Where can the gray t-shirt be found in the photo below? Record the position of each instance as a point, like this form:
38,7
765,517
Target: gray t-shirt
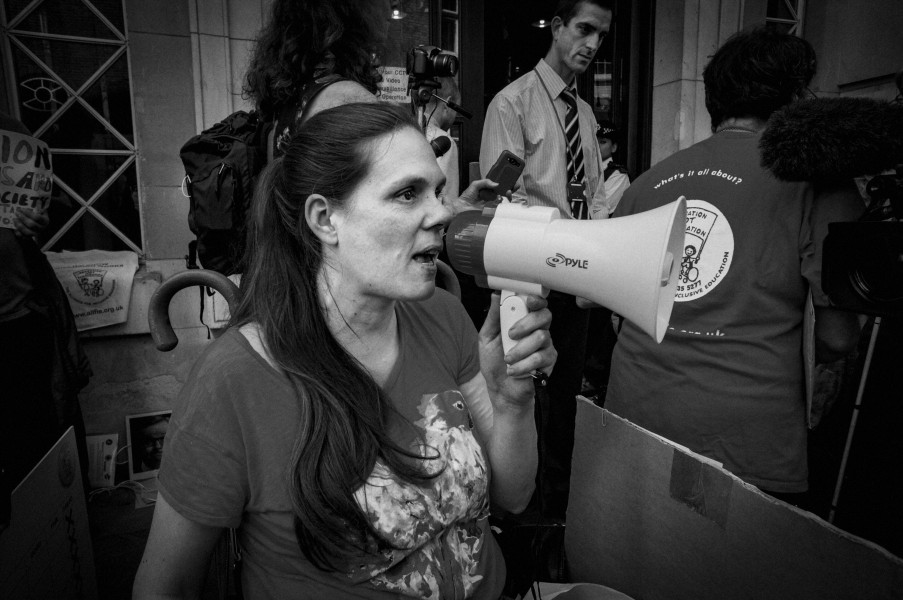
727,380
231,438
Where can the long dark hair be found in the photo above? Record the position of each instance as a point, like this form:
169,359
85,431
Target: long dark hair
301,34
343,410
756,72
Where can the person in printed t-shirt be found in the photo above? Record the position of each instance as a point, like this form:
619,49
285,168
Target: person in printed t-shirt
351,423
541,118
727,381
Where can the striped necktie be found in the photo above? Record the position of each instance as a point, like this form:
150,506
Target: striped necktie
576,172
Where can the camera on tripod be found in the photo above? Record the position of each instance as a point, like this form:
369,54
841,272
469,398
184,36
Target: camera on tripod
425,65
862,263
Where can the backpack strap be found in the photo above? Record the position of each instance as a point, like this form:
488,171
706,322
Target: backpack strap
292,115
312,89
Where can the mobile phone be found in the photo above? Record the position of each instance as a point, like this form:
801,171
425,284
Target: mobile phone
505,171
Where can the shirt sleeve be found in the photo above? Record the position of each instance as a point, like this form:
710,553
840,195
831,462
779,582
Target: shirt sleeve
449,166
615,186
599,204
202,475
502,131
626,204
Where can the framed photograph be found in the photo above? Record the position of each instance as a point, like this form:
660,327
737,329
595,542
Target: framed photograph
146,433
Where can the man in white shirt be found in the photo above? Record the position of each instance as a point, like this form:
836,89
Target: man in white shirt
440,119
540,118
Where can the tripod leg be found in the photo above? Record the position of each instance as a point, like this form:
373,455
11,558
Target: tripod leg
846,450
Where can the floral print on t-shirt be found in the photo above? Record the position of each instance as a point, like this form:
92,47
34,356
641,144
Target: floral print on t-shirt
440,527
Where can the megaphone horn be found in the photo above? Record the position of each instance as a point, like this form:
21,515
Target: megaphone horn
629,265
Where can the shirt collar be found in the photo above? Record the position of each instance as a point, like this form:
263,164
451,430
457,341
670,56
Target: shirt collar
550,78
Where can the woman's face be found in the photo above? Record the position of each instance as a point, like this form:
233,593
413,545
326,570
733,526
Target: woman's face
389,232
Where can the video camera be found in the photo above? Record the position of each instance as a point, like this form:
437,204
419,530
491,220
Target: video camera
425,64
862,264
833,141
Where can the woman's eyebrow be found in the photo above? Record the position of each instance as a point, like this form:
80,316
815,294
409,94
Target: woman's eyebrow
413,181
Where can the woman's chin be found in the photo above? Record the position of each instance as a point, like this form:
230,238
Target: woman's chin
426,291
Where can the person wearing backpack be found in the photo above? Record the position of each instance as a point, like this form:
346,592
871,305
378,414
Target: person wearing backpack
330,62
310,55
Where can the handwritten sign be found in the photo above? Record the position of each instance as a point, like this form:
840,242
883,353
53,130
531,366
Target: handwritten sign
26,175
394,86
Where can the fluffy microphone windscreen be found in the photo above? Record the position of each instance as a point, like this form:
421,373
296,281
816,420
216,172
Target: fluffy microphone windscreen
833,139
441,145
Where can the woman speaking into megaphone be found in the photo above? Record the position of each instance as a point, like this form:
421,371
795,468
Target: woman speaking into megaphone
351,423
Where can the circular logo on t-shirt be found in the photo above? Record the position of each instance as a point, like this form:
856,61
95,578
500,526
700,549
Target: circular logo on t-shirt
708,250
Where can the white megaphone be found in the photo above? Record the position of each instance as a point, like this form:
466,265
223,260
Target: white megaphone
629,264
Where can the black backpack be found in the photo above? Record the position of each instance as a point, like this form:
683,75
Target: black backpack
221,168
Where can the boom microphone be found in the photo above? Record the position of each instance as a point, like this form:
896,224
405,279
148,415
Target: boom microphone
833,139
441,145
837,139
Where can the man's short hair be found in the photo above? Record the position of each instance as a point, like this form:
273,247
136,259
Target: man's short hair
756,72
448,89
566,9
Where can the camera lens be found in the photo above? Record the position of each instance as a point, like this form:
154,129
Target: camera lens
445,65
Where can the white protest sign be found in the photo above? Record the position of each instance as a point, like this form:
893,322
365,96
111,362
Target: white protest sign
26,175
394,86
98,284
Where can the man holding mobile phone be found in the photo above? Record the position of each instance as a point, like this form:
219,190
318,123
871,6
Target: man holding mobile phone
540,118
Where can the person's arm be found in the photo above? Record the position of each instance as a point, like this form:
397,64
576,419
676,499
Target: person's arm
500,399
836,333
176,558
597,202
615,186
448,162
470,198
502,131
30,222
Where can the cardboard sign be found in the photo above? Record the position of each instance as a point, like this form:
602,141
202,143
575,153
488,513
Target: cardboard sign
651,519
98,284
394,86
46,552
26,175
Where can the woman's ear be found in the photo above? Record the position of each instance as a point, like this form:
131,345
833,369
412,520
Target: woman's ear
320,218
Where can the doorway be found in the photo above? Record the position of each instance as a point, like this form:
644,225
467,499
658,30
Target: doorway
618,84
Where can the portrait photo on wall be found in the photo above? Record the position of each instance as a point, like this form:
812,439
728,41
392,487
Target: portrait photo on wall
146,433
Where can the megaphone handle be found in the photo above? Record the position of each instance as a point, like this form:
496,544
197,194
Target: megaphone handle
511,309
